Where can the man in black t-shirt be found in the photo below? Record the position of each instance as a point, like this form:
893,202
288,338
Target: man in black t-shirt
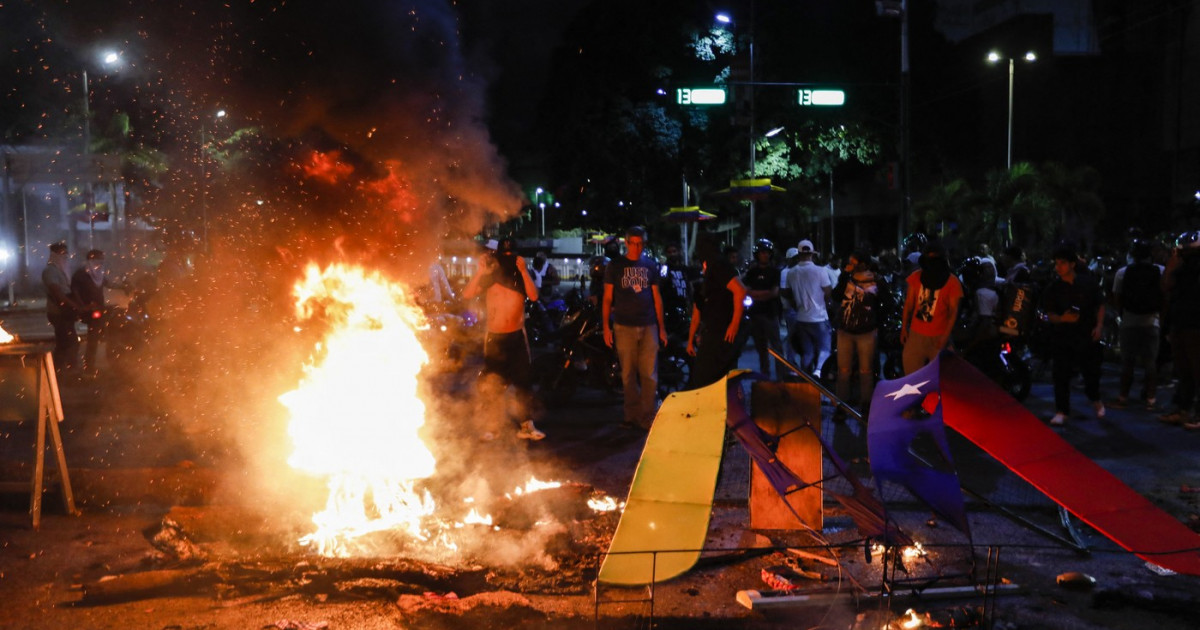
1074,306
716,317
633,325
762,285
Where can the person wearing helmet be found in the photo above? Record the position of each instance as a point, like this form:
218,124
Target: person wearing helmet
1137,293
762,285
1181,282
503,279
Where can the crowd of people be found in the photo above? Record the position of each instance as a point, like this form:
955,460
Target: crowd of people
819,310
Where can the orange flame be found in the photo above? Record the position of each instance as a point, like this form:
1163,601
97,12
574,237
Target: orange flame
356,416
5,337
327,166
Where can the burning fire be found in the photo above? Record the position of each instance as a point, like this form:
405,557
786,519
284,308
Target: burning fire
4,336
356,420
356,416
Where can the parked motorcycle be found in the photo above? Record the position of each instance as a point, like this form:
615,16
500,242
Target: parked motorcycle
582,359
1002,360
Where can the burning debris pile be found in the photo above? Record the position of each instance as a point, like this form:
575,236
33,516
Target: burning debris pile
214,551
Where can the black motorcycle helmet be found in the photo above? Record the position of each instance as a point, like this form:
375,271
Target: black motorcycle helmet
1188,241
972,270
764,245
915,242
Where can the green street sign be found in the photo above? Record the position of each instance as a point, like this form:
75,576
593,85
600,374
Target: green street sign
700,96
822,98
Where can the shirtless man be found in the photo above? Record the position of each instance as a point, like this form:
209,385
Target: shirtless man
505,283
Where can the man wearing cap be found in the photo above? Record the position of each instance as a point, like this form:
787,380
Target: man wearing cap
810,288
790,260
62,308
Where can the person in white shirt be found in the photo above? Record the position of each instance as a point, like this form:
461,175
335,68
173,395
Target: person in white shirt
810,287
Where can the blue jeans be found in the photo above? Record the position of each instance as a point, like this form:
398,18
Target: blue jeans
637,351
813,340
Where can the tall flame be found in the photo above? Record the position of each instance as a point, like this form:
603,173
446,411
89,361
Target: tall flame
356,416
4,336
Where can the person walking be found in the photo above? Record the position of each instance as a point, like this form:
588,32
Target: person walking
62,310
1137,294
503,279
810,288
632,313
1074,306
930,308
716,316
762,285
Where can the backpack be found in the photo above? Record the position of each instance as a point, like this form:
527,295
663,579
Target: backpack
1017,308
1140,291
859,314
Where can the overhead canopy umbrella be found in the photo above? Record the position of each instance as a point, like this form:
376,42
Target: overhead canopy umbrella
750,189
688,214
683,216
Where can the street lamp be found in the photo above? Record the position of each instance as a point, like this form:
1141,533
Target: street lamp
109,58
995,57
724,18
537,196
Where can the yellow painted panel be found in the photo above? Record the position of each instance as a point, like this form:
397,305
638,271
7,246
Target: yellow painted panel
670,499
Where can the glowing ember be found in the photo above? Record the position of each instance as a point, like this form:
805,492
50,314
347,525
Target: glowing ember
533,485
910,620
602,504
4,336
356,416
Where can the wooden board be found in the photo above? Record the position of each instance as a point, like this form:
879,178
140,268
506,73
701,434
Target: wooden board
782,409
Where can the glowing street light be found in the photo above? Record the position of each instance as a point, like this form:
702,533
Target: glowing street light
996,57
108,58
537,196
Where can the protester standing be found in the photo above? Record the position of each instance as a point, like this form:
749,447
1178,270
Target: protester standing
504,280
1137,293
716,317
1181,282
762,285
1074,306
632,312
930,308
858,301
62,309
810,288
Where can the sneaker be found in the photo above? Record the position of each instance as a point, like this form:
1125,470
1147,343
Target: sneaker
1192,426
1120,403
529,432
1177,416
1058,420
1151,404
1099,407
